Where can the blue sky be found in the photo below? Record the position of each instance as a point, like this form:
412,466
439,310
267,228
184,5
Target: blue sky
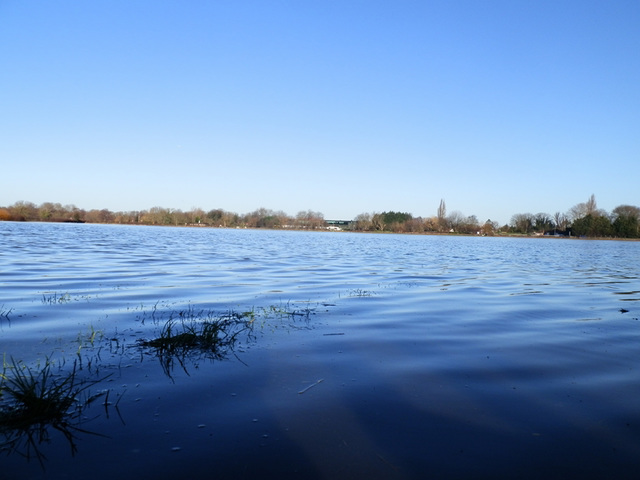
342,107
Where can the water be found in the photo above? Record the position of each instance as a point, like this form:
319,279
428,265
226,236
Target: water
371,356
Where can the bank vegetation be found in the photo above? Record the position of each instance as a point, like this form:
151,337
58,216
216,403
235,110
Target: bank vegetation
582,220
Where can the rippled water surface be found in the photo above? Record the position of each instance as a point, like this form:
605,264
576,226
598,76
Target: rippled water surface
355,355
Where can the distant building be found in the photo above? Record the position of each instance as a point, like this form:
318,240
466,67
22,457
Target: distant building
337,224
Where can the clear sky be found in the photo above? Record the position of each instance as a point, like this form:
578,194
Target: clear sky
338,106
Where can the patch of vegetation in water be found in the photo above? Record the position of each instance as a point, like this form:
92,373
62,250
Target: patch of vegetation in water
35,400
54,298
214,335
191,335
359,292
49,398
5,313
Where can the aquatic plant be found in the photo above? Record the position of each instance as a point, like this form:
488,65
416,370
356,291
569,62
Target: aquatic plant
34,400
54,298
358,292
5,313
283,311
192,335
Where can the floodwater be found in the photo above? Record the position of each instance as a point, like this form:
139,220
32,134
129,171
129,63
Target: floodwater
355,355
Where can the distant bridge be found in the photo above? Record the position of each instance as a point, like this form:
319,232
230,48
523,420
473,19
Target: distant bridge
338,223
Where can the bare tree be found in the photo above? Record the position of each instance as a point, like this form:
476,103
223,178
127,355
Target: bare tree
522,222
23,211
363,222
581,210
310,219
626,211
561,221
455,220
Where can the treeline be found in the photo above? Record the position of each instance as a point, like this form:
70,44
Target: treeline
584,219
262,218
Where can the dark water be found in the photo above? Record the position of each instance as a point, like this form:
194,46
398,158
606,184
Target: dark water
369,356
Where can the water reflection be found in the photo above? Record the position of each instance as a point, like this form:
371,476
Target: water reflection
442,354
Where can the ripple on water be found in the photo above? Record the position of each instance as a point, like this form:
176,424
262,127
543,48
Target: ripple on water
438,356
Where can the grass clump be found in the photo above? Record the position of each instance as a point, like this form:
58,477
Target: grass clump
195,335
32,400
190,335
35,396
54,298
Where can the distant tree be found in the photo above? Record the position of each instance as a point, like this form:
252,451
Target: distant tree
132,217
626,221
592,226
391,221
178,217
470,225
490,228
23,211
414,225
196,215
390,218
105,216
590,207
561,221
74,214
542,222
455,220
99,216
363,222
522,223
217,217
431,224
588,220
49,211
310,219
256,219
377,222
442,215
266,218
157,216
222,218
627,210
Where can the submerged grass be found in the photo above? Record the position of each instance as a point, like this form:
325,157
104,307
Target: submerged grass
190,335
193,335
32,400
54,298
5,313
39,402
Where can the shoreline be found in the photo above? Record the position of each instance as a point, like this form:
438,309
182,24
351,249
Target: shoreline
330,230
